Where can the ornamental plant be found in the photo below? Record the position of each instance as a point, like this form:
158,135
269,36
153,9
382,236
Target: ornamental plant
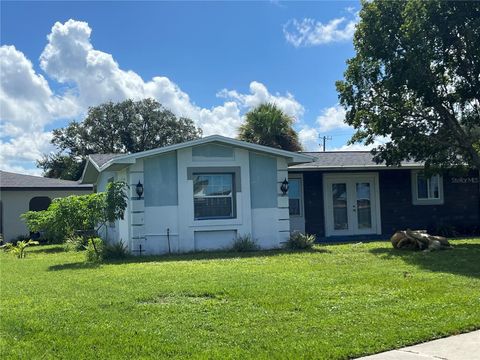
79,214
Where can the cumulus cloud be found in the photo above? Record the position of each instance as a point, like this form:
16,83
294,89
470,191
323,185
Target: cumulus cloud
309,137
19,153
259,94
26,100
332,118
310,32
91,77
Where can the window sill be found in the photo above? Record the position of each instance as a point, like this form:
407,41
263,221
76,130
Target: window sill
216,222
428,202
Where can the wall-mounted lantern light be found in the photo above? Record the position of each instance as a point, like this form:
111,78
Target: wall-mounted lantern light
139,189
284,187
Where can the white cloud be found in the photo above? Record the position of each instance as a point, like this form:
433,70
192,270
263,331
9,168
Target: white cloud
259,94
309,137
332,118
310,32
26,100
91,77
19,153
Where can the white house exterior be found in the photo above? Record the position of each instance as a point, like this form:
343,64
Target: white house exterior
199,195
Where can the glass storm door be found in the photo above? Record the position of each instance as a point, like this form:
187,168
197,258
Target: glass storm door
351,203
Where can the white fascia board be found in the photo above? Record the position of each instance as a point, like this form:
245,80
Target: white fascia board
355,167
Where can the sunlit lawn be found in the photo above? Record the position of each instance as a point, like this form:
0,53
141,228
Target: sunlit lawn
337,301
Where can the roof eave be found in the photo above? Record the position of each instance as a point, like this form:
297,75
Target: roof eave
369,167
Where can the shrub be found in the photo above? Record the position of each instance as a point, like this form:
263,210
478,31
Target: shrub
115,251
97,250
94,250
300,240
78,213
76,243
244,243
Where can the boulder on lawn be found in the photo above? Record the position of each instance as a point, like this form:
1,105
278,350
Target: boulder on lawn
418,240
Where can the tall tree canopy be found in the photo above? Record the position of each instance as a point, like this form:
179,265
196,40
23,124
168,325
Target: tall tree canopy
125,127
268,125
415,79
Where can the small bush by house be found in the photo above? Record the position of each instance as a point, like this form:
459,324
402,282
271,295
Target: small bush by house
244,243
300,240
97,251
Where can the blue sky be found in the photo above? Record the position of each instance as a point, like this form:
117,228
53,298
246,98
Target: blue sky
209,61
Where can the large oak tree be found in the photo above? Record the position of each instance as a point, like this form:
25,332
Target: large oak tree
124,127
415,79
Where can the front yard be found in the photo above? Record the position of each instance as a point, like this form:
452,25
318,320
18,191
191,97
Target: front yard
335,301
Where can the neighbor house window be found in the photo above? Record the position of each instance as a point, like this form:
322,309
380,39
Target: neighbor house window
213,196
427,190
294,197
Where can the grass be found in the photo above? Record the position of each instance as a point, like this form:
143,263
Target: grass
336,301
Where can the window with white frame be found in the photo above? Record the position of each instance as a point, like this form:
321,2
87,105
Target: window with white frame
427,190
213,196
294,197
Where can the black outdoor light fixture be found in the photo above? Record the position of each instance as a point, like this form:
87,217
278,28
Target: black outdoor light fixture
139,189
284,187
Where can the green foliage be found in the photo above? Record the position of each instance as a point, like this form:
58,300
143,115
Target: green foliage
116,251
268,125
115,201
78,214
95,250
61,166
124,127
98,250
414,79
67,215
244,243
300,241
19,248
76,243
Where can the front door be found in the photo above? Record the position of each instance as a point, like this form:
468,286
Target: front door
352,204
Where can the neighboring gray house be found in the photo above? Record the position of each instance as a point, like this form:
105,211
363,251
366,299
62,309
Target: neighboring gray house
20,193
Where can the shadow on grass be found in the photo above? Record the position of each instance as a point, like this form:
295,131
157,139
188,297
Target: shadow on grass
196,256
462,259
46,250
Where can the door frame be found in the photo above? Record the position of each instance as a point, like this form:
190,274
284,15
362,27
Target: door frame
298,218
328,212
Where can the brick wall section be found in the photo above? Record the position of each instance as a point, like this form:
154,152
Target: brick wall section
461,207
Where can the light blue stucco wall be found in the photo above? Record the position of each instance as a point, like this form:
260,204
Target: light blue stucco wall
263,181
102,180
212,151
160,180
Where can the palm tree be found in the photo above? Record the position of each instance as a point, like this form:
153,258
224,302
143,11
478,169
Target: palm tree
268,125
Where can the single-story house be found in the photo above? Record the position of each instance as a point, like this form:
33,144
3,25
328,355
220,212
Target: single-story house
199,195
20,193
202,194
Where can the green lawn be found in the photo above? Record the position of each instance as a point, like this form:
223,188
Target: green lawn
337,301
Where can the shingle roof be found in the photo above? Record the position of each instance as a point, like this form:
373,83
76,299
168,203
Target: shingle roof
101,159
10,180
345,159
